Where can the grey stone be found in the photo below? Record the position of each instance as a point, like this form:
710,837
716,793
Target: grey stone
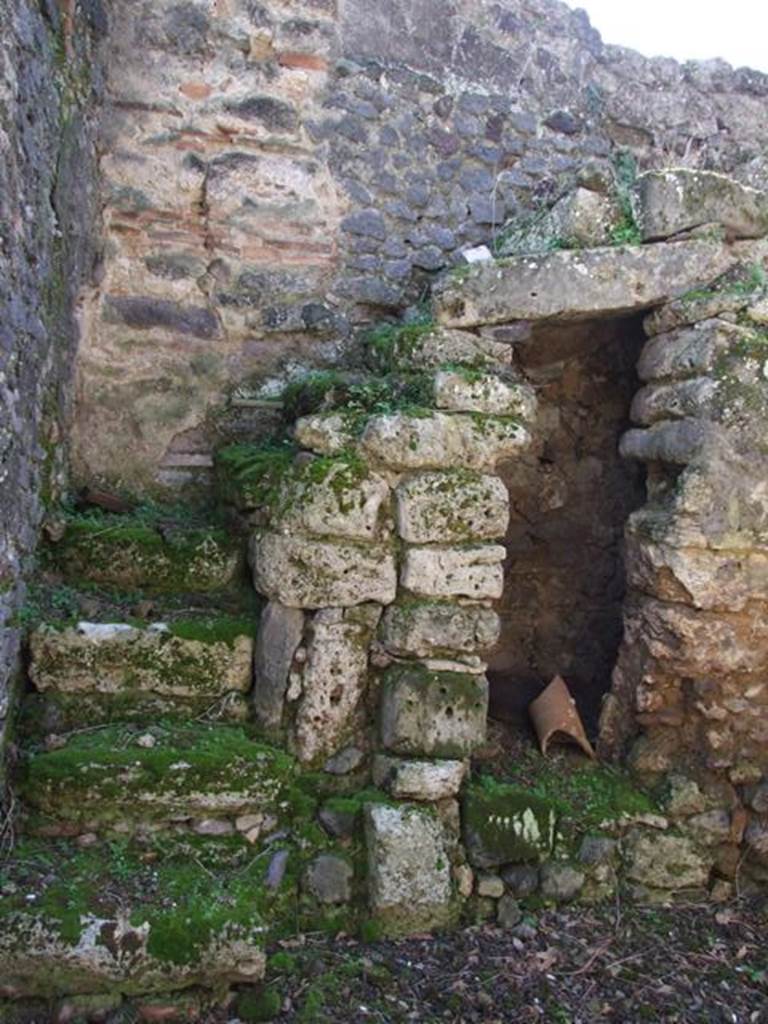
564,121
572,284
409,881
521,879
344,762
280,633
329,879
276,869
370,290
145,313
597,850
430,257
432,714
276,115
508,912
338,823
561,882
365,222
671,201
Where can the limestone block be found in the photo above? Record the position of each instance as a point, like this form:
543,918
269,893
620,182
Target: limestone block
704,579
678,400
689,351
141,556
38,962
304,573
280,633
671,201
325,433
418,780
663,861
471,571
442,441
582,218
455,505
573,284
346,501
442,345
117,658
424,628
333,680
409,881
506,825
471,391
694,308
432,714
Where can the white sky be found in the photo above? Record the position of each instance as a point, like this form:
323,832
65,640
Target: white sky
736,30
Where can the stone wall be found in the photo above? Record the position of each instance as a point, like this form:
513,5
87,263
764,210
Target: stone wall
47,78
275,172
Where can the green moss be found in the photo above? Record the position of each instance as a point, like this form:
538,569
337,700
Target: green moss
389,347
505,823
214,630
258,1006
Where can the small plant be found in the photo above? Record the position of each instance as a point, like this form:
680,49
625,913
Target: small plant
626,231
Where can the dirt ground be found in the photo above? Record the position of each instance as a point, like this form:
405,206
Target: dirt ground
622,964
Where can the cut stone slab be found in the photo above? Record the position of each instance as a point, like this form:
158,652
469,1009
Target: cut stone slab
304,573
119,659
141,557
659,860
709,580
409,880
190,773
280,633
453,505
432,714
435,348
442,441
418,780
577,284
329,879
676,442
346,501
470,391
671,201
473,571
425,629
334,680
506,825
111,955
689,351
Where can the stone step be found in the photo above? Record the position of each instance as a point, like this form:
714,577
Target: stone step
121,920
113,551
95,673
121,779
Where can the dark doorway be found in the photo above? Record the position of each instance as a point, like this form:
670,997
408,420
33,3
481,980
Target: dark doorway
570,497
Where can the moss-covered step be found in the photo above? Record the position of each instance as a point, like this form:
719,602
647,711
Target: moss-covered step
505,824
100,672
131,555
122,779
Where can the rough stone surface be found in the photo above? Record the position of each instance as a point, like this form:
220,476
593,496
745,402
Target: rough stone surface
443,345
418,780
305,573
451,506
463,391
490,885
567,285
672,201
334,679
409,881
119,659
38,962
663,861
521,879
346,503
324,433
561,882
430,628
442,441
280,633
432,714
329,879
474,571
508,912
